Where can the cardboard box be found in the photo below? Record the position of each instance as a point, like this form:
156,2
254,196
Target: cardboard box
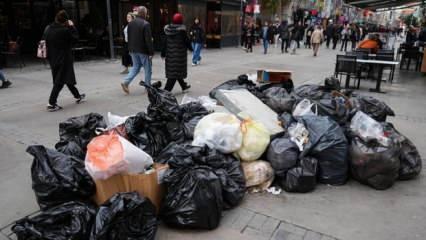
273,76
147,184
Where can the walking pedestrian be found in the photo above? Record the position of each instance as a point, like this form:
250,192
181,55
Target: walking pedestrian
300,33
59,37
294,38
329,32
197,40
4,82
175,53
353,36
336,35
284,33
316,39
345,37
244,36
140,47
267,36
250,37
309,32
126,59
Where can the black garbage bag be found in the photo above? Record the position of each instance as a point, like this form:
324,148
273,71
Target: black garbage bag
279,100
193,199
334,107
162,104
287,85
147,134
68,221
374,164
373,107
125,216
282,153
169,151
328,144
410,159
58,178
303,178
75,133
312,92
241,83
191,114
332,84
286,119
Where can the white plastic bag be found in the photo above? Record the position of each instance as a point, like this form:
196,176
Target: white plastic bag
206,101
255,140
304,108
219,131
299,134
115,120
367,128
108,155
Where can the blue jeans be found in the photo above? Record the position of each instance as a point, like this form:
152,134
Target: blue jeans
196,54
2,78
139,60
265,46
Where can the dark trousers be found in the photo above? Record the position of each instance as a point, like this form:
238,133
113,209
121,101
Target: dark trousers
353,44
344,44
285,44
328,41
171,83
57,89
335,40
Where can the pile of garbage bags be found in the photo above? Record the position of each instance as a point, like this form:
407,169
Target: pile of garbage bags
213,158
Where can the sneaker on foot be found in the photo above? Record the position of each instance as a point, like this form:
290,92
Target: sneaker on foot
6,84
194,64
53,108
81,99
125,71
125,88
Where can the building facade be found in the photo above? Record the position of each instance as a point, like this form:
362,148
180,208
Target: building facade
26,19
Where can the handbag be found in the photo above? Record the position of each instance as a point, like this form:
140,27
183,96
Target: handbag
42,50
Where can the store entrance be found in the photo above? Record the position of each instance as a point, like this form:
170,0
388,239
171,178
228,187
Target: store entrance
214,21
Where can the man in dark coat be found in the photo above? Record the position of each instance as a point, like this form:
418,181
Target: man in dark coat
141,48
329,33
284,35
59,38
175,53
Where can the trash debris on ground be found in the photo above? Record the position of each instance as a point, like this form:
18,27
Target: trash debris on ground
68,221
282,154
302,178
125,216
58,178
373,107
279,100
258,174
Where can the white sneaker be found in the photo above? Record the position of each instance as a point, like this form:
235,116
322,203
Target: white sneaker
194,64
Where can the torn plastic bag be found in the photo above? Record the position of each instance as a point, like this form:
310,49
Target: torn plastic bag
279,100
115,120
282,154
328,144
108,155
193,199
335,107
373,107
303,178
147,134
255,140
241,83
368,129
298,134
257,173
219,131
68,221
125,216
410,159
58,178
75,133
374,164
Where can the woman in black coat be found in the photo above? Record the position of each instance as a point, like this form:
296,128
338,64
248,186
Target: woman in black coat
175,53
59,37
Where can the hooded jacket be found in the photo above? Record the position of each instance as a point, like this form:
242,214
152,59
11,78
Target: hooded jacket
175,48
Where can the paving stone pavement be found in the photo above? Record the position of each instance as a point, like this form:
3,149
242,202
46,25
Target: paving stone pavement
352,211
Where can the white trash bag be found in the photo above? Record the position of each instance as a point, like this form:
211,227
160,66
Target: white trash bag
219,131
304,108
367,129
108,155
255,140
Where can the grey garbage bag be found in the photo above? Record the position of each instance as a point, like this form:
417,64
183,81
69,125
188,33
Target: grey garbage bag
279,100
282,154
303,178
373,107
328,144
373,164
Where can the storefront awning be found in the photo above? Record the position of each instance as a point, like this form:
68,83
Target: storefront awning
373,5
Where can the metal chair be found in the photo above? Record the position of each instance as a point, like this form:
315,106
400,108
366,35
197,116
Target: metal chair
411,53
347,66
